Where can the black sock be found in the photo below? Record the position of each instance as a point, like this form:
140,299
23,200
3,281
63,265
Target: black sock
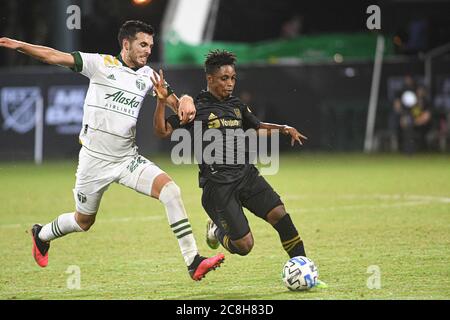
225,241
289,237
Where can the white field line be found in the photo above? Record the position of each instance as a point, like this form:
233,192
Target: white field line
400,200
363,206
372,197
112,220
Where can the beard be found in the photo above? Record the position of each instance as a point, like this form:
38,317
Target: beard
138,61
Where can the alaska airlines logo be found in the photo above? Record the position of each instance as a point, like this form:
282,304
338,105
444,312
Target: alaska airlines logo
120,97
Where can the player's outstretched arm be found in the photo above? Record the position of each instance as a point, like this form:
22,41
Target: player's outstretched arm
285,129
44,54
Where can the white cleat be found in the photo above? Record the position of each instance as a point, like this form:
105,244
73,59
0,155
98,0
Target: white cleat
211,238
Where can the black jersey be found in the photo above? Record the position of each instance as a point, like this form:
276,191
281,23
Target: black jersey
231,118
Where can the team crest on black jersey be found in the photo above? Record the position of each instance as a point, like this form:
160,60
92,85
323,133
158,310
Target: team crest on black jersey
237,112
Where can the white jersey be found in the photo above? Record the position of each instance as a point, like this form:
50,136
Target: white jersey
112,105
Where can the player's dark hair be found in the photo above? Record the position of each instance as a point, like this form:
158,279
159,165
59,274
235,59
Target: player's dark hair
129,29
218,58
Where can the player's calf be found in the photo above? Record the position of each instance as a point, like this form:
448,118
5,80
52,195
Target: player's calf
61,226
290,239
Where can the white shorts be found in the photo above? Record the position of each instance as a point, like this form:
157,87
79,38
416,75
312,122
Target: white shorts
94,176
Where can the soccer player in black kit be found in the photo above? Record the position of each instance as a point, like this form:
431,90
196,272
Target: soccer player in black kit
229,187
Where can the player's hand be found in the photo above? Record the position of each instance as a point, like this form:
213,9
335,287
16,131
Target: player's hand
186,109
9,43
295,135
159,85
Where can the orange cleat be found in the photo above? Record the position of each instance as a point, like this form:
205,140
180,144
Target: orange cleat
40,248
201,266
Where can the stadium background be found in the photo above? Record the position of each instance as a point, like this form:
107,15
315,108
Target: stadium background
353,210
319,78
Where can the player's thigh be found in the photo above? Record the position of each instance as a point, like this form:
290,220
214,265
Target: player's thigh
93,177
259,197
139,174
86,202
223,207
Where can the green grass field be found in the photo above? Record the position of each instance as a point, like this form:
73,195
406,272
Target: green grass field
354,212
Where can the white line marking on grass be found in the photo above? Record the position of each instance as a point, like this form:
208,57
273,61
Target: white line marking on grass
397,197
371,196
401,200
112,220
363,206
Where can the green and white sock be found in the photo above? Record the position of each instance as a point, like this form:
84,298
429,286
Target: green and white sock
59,227
170,196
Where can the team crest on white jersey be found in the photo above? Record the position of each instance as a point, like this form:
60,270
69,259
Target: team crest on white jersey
140,84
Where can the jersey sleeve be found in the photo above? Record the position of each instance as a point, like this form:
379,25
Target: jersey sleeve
87,63
174,121
249,119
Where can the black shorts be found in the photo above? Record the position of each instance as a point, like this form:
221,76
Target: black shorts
224,202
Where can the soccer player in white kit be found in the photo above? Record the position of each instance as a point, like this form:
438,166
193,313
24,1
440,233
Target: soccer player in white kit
117,87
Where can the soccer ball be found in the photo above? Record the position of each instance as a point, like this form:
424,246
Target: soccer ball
300,273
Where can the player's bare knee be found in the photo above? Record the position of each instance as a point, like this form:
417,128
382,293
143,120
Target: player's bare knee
85,221
244,249
244,245
276,214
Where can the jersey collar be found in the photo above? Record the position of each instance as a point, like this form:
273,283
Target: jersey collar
206,95
119,57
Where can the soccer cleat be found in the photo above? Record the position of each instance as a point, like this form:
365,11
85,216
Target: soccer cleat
202,265
320,284
40,248
211,238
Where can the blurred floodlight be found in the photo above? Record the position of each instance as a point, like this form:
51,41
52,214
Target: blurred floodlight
409,99
350,72
141,2
338,58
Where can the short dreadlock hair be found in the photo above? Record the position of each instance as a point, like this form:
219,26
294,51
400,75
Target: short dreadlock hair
218,58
